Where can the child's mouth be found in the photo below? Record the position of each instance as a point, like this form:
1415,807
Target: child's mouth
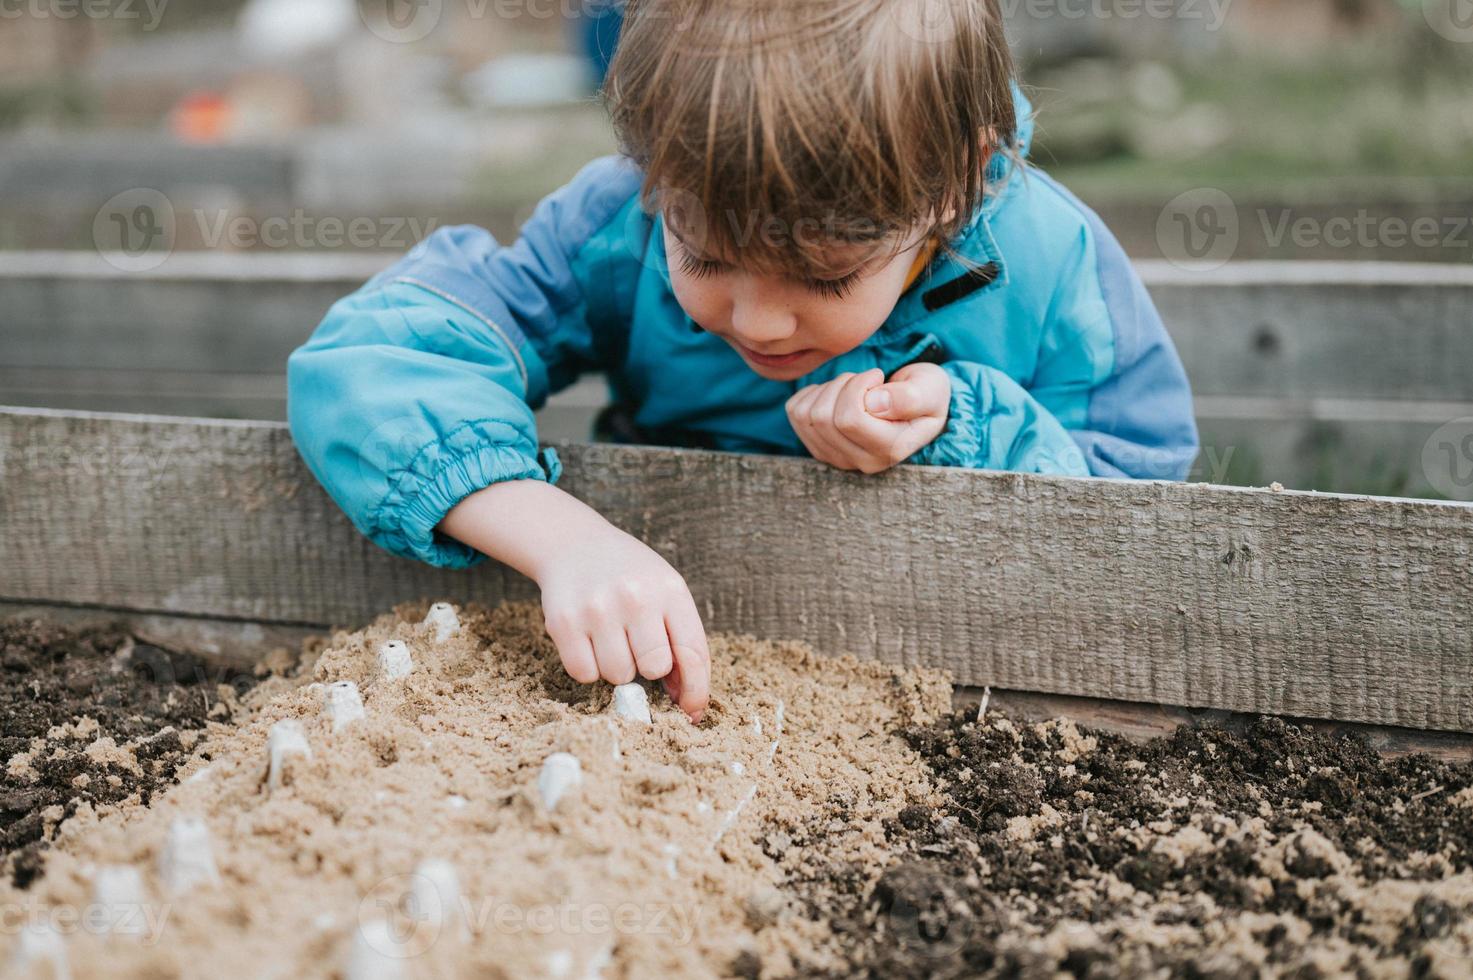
768,361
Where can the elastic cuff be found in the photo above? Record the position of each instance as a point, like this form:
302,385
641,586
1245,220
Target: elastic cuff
964,439
441,476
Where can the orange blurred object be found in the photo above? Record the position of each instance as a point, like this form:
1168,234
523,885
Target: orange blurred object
203,117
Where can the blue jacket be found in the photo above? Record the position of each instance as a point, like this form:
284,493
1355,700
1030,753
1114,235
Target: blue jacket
419,389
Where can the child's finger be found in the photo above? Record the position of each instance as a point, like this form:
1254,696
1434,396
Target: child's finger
651,647
611,650
692,668
899,401
866,437
801,416
838,452
576,652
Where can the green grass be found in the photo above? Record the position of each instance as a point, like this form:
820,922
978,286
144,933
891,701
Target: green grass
1400,113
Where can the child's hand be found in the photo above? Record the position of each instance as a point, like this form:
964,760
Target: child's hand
615,609
844,423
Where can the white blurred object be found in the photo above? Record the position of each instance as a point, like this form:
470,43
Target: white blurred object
117,889
285,741
188,859
632,702
442,617
342,704
529,80
375,952
393,660
560,773
434,896
39,943
290,28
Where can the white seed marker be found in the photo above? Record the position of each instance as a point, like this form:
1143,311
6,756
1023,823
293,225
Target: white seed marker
729,819
286,741
442,617
632,703
342,704
560,773
117,889
375,953
39,943
777,734
434,896
393,660
187,858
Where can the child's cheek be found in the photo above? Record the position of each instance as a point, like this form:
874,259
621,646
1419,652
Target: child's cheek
701,301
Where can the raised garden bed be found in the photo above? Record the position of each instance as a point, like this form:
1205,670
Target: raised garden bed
828,819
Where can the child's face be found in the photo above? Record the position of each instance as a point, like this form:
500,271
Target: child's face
799,324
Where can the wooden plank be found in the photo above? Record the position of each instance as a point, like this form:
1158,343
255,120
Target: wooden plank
1351,608
1140,722
568,415
1305,330
226,643
1322,330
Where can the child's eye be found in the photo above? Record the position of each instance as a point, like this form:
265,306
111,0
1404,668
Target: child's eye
698,268
834,288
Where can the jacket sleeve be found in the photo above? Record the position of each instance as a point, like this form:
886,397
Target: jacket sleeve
418,390
1109,397
994,424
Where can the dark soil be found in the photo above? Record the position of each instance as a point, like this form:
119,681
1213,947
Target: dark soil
61,691
1203,854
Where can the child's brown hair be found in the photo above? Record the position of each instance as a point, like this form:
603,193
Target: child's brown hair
768,129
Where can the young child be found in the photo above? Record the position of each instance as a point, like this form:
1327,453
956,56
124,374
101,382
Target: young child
820,238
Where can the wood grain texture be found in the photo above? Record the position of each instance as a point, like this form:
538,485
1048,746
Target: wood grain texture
1140,722
1355,609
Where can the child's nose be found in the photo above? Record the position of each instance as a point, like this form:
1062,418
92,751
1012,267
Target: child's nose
757,323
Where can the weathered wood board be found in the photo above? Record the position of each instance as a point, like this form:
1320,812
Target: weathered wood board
1295,376
1348,608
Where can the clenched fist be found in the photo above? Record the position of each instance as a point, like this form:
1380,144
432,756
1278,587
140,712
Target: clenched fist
861,422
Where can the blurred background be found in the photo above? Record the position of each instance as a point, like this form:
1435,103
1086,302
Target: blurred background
186,185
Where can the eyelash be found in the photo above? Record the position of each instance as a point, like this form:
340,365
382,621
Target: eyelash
830,288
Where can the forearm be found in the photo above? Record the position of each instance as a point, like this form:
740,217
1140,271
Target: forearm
525,524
